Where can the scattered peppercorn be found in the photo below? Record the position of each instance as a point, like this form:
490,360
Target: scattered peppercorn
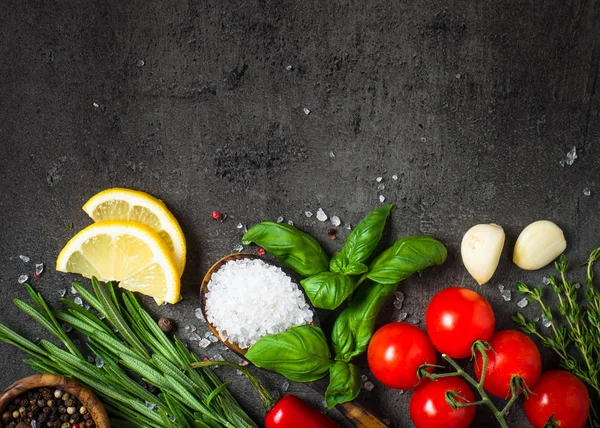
166,324
216,215
332,233
261,251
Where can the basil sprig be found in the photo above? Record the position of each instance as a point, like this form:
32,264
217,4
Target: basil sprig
344,383
354,327
293,247
361,243
327,290
300,353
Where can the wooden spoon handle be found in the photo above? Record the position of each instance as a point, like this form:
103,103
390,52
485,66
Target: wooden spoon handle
356,413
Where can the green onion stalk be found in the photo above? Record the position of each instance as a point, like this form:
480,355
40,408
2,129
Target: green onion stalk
128,347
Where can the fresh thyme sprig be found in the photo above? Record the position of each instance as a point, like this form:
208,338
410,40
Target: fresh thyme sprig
574,328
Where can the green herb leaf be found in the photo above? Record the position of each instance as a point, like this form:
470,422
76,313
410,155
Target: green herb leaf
344,383
293,247
327,290
361,242
407,256
354,327
301,353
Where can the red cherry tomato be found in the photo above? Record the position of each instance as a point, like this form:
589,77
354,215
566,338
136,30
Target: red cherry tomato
396,352
455,318
428,407
560,394
512,354
292,412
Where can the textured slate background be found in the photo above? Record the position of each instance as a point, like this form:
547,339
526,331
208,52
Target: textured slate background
472,104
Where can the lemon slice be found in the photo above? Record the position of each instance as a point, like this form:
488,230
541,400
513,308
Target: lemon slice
124,251
127,204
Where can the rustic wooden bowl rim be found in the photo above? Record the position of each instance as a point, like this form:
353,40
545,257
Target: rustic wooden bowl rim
83,394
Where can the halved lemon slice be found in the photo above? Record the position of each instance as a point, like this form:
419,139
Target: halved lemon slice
127,204
124,251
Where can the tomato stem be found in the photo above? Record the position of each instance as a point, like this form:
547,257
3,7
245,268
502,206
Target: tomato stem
481,347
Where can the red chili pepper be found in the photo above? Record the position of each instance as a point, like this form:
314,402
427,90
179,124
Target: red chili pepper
216,215
261,251
292,412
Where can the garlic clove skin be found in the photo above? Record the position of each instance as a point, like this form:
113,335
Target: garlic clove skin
481,249
538,245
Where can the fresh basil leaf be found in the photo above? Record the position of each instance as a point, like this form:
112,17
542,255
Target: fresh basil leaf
362,241
293,247
407,256
355,268
327,290
300,354
344,383
354,327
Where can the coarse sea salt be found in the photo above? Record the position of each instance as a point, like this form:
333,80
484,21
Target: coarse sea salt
249,299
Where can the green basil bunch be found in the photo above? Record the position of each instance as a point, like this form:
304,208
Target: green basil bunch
302,353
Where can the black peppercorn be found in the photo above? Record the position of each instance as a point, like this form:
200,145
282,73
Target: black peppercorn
166,324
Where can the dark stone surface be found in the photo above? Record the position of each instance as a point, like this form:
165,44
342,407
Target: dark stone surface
472,104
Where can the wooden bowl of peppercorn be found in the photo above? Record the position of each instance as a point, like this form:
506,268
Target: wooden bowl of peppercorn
51,392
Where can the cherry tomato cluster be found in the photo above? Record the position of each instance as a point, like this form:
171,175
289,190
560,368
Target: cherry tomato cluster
456,318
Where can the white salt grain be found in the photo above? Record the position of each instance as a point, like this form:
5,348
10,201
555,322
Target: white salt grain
249,299
321,216
335,220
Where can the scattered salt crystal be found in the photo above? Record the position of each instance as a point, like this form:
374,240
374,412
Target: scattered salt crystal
280,219
501,287
86,306
250,299
506,295
187,328
150,405
587,191
66,327
398,304
33,423
400,391
285,386
399,295
415,321
368,386
26,259
78,300
238,248
90,359
39,268
335,220
381,187
402,316
348,226
321,216
101,316
141,63
577,285
96,105
218,357
546,322
364,378
214,339
522,303
63,292
571,156
546,280
395,177
22,278
308,214
240,226
204,343
193,328
198,313
331,154
423,139
536,319
381,198
289,68
99,363
306,111
378,179
195,337
290,222
73,291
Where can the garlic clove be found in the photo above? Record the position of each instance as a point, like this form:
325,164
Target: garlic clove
538,245
481,249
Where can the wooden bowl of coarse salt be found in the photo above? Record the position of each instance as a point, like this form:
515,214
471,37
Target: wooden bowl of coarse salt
63,385
244,298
